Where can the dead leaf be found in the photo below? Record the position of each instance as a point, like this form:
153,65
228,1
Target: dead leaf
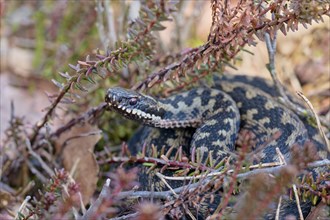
77,153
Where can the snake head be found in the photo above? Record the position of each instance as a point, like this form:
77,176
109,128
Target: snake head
134,105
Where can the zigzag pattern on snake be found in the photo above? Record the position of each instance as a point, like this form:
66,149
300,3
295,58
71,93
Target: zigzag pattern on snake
209,120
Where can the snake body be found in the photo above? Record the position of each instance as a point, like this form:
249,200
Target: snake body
210,119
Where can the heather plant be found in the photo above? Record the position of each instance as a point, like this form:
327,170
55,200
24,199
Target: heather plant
131,54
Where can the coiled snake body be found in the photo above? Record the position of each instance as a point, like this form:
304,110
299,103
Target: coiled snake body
209,120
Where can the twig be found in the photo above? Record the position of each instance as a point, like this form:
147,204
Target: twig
124,217
71,180
238,166
26,200
89,66
277,217
36,172
320,211
82,118
293,185
220,172
5,187
317,192
40,160
280,156
216,46
27,188
209,48
161,176
191,215
326,141
157,161
167,194
65,190
74,168
214,173
201,176
271,48
95,206
49,113
297,201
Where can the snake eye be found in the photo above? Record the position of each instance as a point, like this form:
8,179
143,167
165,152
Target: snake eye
133,101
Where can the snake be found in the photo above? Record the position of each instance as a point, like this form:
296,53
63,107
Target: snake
209,121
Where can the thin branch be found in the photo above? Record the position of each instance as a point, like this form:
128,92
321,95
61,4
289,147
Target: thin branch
124,217
238,166
282,159
271,49
26,189
5,187
297,201
72,181
36,172
318,212
95,206
280,156
161,177
190,187
277,216
157,161
104,61
49,113
326,141
82,118
162,75
201,176
40,160
23,205
219,48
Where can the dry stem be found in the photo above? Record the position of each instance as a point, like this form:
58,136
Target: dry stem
167,194
277,217
326,141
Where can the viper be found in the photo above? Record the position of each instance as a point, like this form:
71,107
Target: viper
209,121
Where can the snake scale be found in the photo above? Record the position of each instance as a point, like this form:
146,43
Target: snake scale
210,120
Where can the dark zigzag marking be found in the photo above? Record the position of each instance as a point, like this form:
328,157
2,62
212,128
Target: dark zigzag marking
264,85
258,103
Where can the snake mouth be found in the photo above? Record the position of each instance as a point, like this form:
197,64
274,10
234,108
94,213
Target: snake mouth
131,112
132,105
